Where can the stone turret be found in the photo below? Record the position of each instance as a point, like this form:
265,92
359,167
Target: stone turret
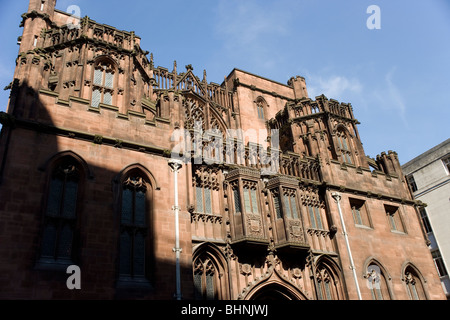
299,85
389,163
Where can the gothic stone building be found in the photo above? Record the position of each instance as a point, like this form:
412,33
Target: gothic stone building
85,148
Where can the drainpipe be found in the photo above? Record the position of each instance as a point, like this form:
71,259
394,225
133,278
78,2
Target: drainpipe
337,198
176,165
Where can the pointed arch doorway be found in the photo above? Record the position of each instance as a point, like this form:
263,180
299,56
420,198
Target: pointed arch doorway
274,288
274,292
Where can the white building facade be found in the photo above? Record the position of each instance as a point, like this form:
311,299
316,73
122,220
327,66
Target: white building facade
429,180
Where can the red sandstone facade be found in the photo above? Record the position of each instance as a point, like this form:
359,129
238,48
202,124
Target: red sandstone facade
85,180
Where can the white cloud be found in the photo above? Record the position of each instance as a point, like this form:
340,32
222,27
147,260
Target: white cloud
333,86
395,95
390,98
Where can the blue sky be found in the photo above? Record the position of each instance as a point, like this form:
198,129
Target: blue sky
397,78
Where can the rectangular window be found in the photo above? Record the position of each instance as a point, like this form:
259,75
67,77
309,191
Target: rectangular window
359,212
290,206
439,262
446,162
276,204
203,200
208,206
294,207
237,200
199,199
109,79
254,201
395,220
250,200
287,206
96,97
315,218
411,182
98,77
107,98
425,220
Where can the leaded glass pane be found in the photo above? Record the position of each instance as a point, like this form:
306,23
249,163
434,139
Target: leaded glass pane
139,254
344,140
393,224
311,217
327,290
247,201
254,202
340,142
107,98
237,200
70,199
199,199
357,215
96,96
98,75
210,286
276,203
319,290
318,218
294,208
347,157
54,197
415,296
208,200
127,206
49,240
65,241
139,209
287,207
109,80
124,255
198,286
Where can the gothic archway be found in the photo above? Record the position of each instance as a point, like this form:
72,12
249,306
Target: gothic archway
274,288
274,292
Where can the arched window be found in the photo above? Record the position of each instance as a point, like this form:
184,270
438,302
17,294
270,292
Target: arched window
210,282
344,146
414,284
328,284
376,282
103,84
261,104
134,231
204,282
60,218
